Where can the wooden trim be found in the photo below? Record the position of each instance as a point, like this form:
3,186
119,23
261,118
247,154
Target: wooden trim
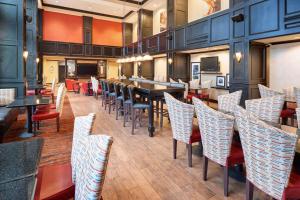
85,11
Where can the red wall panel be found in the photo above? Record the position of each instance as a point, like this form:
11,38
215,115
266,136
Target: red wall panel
107,32
62,27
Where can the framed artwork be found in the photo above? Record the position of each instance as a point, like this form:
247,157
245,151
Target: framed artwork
227,80
213,6
196,75
163,20
220,81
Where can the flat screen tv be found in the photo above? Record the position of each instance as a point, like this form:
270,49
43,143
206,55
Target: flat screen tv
87,69
210,64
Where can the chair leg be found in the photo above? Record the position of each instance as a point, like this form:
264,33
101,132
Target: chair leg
161,114
52,95
109,104
117,109
57,124
125,115
133,120
226,181
38,125
249,190
174,148
189,148
205,165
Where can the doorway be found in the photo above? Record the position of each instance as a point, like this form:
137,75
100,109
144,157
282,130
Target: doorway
61,73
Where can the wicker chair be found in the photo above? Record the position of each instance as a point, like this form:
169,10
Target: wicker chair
297,95
58,181
228,102
267,109
181,117
269,154
216,133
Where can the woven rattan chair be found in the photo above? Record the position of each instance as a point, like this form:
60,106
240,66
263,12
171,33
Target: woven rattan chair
297,95
267,109
228,102
216,133
269,154
298,116
181,117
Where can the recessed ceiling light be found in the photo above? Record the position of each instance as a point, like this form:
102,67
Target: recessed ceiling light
56,1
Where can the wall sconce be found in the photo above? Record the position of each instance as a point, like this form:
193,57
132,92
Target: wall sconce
25,55
37,60
170,61
238,56
139,63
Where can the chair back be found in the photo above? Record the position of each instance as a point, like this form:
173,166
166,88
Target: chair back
7,96
186,88
194,83
267,92
53,85
228,102
108,87
82,128
131,92
269,153
117,89
206,84
297,95
123,91
181,117
89,183
267,109
216,132
298,116
61,93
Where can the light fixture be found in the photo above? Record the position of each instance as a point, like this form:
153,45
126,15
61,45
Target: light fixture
170,61
139,63
37,60
133,59
238,56
147,57
25,55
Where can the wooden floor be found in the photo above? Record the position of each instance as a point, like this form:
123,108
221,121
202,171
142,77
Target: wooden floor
141,167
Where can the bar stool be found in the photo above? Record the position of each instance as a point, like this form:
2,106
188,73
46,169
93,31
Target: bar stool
127,103
111,96
119,99
104,93
136,106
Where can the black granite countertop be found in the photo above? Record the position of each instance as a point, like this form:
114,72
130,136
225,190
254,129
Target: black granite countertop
34,100
18,168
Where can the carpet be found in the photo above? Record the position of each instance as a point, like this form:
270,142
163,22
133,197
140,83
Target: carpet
57,145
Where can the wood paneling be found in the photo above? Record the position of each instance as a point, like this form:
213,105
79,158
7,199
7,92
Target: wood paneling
146,69
179,38
220,28
239,27
127,33
177,13
145,23
127,69
87,29
264,16
11,45
197,33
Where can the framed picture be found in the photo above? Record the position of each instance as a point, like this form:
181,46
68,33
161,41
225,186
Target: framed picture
220,81
163,21
227,80
195,71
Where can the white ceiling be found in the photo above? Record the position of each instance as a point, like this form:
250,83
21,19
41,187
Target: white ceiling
108,7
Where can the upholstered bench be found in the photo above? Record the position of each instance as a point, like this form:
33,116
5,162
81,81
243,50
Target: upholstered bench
7,115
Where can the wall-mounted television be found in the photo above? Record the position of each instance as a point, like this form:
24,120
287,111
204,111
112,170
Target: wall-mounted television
87,69
210,64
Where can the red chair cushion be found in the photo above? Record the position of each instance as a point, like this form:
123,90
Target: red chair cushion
203,96
196,136
69,84
292,191
99,91
191,95
39,116
236,155
30,92
46,107
45,91
55,182
286,113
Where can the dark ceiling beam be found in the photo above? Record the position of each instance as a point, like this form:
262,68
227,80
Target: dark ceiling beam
88,12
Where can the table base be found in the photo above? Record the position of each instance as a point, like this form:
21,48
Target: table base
26,135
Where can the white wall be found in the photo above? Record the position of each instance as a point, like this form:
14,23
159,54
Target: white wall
198,8
156,18
160,67
135,32
224,64
284,66
50,70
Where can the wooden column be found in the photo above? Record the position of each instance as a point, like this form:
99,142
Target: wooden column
145,23
31,40
87,34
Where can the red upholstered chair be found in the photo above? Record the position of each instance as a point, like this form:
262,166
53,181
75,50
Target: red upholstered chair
86,88
56,182
70,84
216,134
41,115
181,117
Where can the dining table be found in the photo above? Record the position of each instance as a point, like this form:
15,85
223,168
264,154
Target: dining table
19,163
30,103
153,91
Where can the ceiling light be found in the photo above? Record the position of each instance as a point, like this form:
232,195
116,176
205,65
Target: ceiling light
56,1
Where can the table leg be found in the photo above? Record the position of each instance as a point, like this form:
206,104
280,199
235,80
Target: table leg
151,128
29,133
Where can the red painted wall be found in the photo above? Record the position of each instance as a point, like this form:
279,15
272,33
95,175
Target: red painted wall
62,27
107,32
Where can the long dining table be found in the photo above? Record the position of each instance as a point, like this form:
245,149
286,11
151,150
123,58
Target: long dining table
153,91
